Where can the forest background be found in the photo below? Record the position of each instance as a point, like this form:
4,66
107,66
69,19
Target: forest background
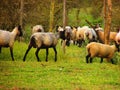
39,12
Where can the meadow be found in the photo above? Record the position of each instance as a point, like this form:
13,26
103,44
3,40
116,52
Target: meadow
70,72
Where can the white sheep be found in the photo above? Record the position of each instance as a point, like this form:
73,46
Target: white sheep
7,38
80,36
95,49
90,35
42,40
37,28
117,39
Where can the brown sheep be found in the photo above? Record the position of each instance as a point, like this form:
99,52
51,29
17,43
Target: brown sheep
95,49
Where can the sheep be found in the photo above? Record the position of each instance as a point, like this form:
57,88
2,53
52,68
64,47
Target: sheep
68,34
42,40
117,39
73,36
90,34
37,28
65,34
7,38
100,33
96,49
80,34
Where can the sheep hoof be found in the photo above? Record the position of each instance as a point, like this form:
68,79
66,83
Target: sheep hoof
55,60
112,61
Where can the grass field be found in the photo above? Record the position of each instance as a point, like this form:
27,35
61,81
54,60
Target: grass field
70,72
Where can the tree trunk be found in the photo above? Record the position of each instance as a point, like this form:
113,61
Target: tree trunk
21,16
107,19
21,12
64,14
52,7
64,23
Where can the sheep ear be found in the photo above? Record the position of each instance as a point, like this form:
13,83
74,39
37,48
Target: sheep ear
71,27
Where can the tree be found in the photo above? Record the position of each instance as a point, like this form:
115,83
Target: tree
107,19
64,14
21,12
52,7
64,23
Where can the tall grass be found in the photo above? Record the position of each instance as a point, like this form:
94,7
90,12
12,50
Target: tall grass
70,72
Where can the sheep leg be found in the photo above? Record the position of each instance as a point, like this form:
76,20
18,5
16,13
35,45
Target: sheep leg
112,61
11,52
55,53
26,53
90,60
46,54
87,57
79,43
101,60
36,53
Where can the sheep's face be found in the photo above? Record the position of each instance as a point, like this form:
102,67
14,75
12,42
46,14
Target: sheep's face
39,30
59,28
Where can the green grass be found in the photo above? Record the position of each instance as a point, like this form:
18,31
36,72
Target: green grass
70,72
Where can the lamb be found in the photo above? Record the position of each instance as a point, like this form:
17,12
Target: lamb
37,28
7,38
42,40
95,49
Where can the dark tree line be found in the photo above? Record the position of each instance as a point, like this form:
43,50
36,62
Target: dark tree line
38,12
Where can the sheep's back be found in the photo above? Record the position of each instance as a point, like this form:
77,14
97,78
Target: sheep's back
112,36
4,38
45,39
80,34
99,50
37,28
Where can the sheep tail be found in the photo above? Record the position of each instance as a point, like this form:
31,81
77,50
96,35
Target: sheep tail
32,42
88,48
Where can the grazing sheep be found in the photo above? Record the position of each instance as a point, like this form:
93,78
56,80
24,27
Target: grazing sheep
7,38
95,49
37,28
43,41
